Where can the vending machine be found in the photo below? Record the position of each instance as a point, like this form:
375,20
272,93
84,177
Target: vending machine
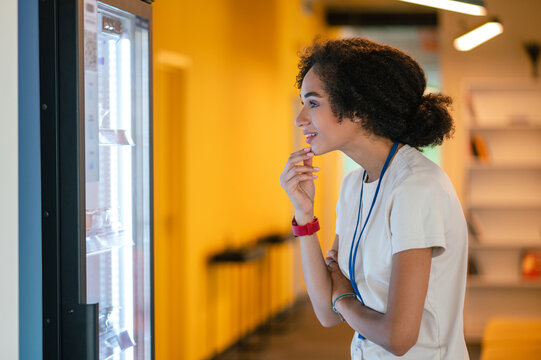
96,157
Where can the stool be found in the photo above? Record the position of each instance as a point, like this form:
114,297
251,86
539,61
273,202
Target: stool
512,338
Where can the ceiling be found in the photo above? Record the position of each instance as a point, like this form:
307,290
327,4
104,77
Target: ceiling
376,6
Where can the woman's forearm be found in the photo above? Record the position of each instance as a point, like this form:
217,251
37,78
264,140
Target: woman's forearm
368,322
317,280
381,329
398,329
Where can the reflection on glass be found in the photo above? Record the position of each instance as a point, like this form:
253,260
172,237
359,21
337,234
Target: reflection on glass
117,181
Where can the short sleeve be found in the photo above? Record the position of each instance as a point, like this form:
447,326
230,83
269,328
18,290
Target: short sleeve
341,203
417,217
337,218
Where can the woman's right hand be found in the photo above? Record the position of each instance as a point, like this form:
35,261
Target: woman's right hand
298,182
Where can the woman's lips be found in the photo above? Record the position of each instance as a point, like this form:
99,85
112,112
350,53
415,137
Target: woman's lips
310,137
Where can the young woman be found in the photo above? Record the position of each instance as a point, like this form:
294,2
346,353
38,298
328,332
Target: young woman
397,270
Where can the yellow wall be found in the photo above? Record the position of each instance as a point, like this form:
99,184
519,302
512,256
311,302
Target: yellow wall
224,96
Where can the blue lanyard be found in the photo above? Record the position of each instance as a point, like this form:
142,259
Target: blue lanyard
352,253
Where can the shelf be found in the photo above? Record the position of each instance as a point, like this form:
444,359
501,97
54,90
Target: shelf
473,336
109,137
504,206
533,127
113,342
504,167
480,282
105,242
508,246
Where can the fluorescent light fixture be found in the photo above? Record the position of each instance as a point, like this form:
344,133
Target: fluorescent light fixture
478,36
465,7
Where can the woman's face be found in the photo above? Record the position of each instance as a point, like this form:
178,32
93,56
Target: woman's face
321,127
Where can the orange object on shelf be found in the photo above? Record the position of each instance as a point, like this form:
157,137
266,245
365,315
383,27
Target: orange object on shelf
531,265
479,148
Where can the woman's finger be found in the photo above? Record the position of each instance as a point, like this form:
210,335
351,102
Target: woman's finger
291,164
301,151
333,254
298,157
331,263
302,168
295,180
298,169
308,162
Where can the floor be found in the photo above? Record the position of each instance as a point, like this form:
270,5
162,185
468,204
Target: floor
298,335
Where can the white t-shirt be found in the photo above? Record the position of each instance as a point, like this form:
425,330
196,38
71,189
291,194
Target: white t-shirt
417,207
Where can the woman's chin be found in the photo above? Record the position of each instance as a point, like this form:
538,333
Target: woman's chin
319,151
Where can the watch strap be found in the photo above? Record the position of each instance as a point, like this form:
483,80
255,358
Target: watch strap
305,230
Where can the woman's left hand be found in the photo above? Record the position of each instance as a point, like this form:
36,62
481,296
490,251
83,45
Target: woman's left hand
340,283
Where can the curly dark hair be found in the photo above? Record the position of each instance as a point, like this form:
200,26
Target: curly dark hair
382,86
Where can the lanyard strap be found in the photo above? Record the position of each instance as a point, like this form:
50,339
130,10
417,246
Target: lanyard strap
355,243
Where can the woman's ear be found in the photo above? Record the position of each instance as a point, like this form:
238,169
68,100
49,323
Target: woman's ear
357,118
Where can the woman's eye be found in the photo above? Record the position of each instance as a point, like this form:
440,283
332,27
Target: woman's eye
313,104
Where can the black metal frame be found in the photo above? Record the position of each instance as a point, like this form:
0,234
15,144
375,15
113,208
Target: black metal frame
70,326
49,179
341,17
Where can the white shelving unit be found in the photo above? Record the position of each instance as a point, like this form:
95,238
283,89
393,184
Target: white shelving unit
502,199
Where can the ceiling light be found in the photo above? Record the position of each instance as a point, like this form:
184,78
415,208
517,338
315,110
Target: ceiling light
465,6
478,36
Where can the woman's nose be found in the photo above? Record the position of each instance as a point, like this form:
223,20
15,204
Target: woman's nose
301,118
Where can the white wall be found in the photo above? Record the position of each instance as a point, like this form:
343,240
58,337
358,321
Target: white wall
9,203
501,57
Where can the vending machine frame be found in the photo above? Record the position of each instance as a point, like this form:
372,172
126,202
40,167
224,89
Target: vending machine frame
70,325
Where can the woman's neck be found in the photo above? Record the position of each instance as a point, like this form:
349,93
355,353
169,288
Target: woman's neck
370,152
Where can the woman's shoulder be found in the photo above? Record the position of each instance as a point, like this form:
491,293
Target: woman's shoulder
416,171
351,182
353,176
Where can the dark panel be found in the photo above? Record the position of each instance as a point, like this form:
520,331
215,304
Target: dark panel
79,321
73,281
63,248
80,327
49,180
336,17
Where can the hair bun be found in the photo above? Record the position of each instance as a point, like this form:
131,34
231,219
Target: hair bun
431,123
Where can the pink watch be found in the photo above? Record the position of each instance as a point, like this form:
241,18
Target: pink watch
307,229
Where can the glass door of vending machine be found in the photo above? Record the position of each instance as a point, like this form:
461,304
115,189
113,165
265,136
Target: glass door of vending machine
118,177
